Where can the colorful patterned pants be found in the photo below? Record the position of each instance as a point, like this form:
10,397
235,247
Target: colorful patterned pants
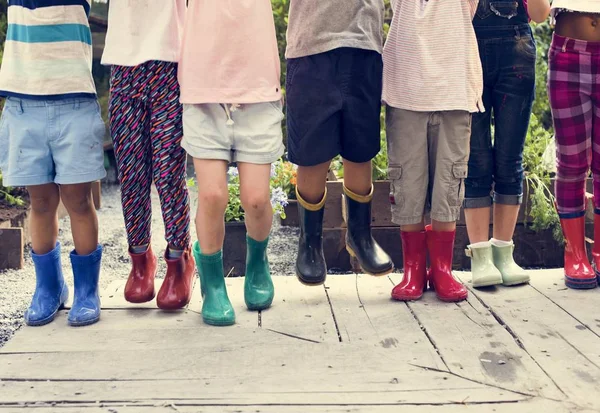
146,127
574,88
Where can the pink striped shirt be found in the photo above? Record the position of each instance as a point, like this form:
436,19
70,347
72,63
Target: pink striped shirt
431,57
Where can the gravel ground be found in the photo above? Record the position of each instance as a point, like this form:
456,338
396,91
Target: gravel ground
16,287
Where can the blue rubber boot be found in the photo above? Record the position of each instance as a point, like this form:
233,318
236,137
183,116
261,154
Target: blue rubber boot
86,302
51,292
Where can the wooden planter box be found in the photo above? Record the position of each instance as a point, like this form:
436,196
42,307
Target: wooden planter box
291,214
234,249
532,249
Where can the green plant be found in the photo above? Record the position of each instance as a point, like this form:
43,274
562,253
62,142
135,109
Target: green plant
538,180
541,200
8,195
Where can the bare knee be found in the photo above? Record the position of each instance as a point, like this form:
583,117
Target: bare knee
78,201
256,204
44,201
213,199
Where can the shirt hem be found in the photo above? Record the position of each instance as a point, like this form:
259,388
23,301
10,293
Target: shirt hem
6,93
191,98
294,53
137,62
476,108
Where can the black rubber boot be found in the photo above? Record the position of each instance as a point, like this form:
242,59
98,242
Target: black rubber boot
311,268
359,242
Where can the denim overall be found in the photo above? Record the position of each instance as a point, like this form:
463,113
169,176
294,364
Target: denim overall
508,55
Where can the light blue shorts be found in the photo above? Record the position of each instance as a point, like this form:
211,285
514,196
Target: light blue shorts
45,141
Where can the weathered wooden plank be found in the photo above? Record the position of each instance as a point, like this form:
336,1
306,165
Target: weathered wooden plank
11,248
567,351
325,381
529,406
300,311
582,305
473,344
235,290
366,314
195,338
113,296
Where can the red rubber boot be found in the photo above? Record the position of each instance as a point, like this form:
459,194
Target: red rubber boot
176,290
414,251
596,249
579,273
441,249
140,284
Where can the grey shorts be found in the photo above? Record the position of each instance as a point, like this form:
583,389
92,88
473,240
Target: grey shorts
234,133
428,156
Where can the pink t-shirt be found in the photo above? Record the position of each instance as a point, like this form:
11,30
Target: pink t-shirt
229,53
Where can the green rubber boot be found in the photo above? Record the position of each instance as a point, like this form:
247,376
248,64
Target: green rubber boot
512,274
216,307
258,285
483,270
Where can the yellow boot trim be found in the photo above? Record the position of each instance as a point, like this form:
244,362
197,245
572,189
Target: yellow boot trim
311,207
363,199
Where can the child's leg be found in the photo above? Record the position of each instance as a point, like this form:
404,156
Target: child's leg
51,291
255,197
208,138
128,125
168,171
44,220
168,157
213,196
569,90
84,222
311,182
259,143
79,160
449,137
358,177
478,185
409,174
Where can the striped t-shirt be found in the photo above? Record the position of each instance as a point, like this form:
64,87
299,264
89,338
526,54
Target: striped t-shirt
48,50
431,57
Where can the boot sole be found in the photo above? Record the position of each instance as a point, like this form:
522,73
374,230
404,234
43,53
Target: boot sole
46,320
515,283
580,284
167,307
217,323
452,300
259,307
405,299
83,323
488,283
374,274
309,284
141,301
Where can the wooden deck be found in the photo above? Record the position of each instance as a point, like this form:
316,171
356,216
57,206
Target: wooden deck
344,347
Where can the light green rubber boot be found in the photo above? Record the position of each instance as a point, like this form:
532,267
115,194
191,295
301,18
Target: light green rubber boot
512,274
258,285
216,307
483,270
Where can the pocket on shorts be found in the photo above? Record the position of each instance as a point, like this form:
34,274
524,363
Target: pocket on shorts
395,177
456,193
